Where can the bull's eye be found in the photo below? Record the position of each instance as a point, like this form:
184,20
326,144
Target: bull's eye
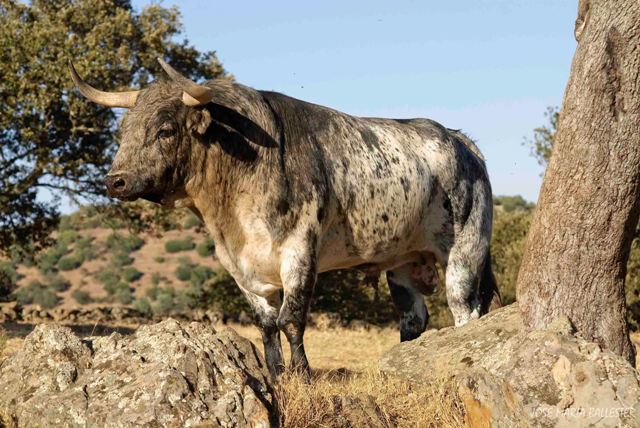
165,133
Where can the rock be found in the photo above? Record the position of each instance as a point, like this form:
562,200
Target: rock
9,311
508,376
166,374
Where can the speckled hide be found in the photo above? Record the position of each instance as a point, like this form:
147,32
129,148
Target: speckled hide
288,189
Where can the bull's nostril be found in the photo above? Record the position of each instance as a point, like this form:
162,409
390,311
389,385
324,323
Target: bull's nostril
119,183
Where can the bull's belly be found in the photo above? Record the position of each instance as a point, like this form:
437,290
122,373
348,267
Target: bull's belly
387,248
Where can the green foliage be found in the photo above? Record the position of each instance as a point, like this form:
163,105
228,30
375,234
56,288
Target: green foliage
110,280
57,282
124,295
71,262
156,278
67,237
220,291
542,144
82,297
191,221
632,286
183,271
143,306
348,294
124,243
48,259
37,293
206,248
165,302
507,247
512,203
121,259
131,274
51,138
153,291
178,245
8,279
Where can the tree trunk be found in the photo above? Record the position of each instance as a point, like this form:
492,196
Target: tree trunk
580,237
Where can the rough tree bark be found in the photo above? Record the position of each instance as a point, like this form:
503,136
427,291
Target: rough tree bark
580,237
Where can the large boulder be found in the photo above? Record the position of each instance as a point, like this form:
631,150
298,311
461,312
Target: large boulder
167,374
510,377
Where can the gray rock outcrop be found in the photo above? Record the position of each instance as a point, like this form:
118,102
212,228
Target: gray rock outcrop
510,377
167,374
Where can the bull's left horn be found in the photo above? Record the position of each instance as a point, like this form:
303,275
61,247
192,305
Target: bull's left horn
193,94
109,99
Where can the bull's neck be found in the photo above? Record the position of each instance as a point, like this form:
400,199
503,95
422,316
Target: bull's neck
229,162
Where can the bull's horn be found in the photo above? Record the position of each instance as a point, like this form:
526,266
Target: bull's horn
109,99
194,94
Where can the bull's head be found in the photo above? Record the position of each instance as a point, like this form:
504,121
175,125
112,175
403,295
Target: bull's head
156,135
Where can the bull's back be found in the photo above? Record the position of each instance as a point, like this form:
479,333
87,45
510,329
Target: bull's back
388,184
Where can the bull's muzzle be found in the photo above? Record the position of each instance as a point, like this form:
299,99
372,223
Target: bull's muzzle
120,186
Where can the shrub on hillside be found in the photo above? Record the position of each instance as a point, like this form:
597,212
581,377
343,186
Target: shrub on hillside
82,297
109,279
177,245
206,248
124,295
165,302
220,291
191,221
37,293
71,262
67,237
143,306
130,274
57,282
183,271
48,260
120,259
124,243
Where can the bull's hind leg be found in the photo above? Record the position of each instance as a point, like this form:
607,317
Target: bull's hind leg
404,287
463,271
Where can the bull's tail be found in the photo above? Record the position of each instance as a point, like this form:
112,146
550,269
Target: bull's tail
489,294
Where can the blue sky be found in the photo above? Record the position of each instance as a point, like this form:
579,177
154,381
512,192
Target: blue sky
488,67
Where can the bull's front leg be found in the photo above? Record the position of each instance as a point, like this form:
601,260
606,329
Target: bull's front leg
265,311
298,274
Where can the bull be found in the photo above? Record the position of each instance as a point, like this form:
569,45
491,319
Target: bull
288,189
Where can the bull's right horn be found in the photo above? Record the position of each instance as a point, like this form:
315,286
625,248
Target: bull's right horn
109,99
193,94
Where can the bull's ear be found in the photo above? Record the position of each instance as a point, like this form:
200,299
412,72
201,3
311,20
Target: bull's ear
199,121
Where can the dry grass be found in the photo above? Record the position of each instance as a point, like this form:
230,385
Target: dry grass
320,403
344,364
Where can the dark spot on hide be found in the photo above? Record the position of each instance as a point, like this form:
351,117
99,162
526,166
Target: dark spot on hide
369,138
385,217
282,207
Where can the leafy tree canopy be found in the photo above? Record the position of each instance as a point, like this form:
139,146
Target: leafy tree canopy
50,137
542,143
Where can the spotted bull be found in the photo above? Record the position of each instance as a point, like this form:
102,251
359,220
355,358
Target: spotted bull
289,189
